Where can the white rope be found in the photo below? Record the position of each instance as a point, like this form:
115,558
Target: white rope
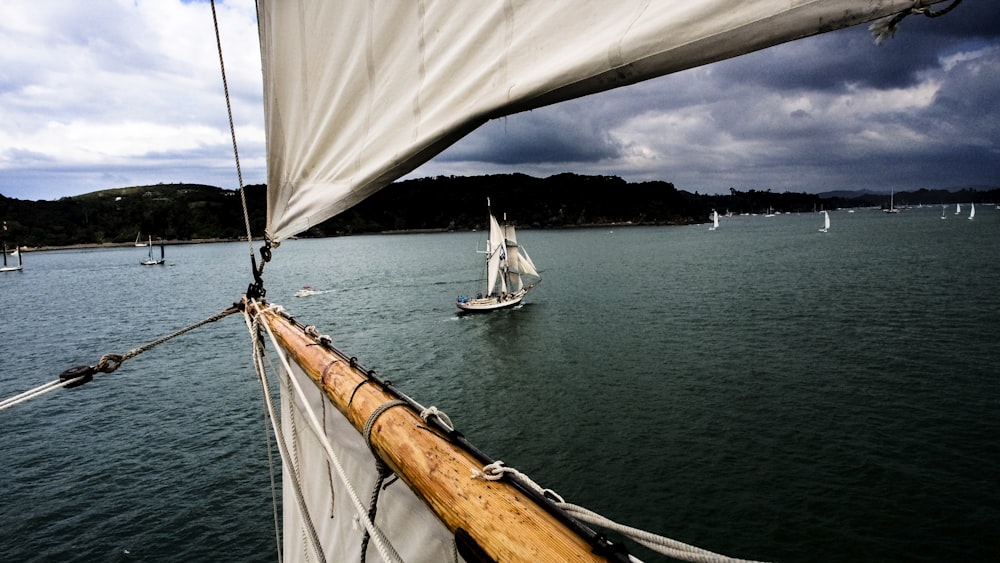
252,326
660,544
428,412
32,393
386,550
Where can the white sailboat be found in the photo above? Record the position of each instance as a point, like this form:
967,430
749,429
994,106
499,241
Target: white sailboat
826,222
11,267
17,252
506,264
972,211
151,261
943,208
892,203
715,220
348,109
958,208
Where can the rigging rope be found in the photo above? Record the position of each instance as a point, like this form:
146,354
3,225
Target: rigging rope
386,550
660,544
256,289
76,376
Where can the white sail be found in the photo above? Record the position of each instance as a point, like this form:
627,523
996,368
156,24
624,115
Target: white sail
715,220
972,212
513,264
497,256
958,208
357,94
527,266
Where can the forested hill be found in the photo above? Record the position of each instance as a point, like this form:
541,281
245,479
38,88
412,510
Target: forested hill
182,212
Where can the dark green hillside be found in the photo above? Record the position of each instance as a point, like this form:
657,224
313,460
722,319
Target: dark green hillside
181,212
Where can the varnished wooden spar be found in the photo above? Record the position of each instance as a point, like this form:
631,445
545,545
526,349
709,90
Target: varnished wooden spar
503,521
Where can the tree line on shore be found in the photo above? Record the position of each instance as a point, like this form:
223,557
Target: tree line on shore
183,212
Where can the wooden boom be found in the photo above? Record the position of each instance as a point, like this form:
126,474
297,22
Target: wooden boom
505,523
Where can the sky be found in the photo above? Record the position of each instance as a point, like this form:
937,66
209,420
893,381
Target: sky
115,93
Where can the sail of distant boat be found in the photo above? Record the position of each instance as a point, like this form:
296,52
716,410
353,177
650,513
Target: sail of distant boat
138,241
715,220
357,94
958,208
972,211
826,222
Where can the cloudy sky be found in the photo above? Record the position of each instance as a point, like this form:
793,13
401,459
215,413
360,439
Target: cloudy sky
108,93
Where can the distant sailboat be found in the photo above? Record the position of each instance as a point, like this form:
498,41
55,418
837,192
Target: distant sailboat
138,242
826,222
715,220
972,213
153,261
892,203
506,262
958,208
3,242
11,268
943,208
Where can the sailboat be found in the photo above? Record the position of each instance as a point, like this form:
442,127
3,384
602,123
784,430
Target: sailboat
943,208
11,267
506,264
892,203
17,252
358,94
138,241
150,261
715,220
972,211
958,208
826,222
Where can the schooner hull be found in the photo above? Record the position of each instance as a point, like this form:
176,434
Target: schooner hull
487,304
473,516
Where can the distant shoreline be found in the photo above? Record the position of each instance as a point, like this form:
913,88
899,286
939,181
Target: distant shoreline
96,245
92,245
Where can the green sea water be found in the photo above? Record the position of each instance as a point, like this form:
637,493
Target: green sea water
763,390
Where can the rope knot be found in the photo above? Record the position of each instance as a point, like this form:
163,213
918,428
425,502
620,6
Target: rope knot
109,363
492,472
441,417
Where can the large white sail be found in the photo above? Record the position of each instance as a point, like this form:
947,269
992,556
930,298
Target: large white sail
496,256
357,94
513,264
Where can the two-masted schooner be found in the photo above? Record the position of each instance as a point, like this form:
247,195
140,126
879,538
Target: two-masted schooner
507,264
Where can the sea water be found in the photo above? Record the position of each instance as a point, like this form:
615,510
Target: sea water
763,390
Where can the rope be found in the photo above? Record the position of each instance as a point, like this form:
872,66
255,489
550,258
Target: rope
232,128
886,28
258,359
380,466
386,550
76,376
660,544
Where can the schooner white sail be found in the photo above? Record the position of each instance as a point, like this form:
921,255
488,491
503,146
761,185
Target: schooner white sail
357,94
506,264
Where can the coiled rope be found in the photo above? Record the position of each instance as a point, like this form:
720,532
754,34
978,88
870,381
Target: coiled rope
76,376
